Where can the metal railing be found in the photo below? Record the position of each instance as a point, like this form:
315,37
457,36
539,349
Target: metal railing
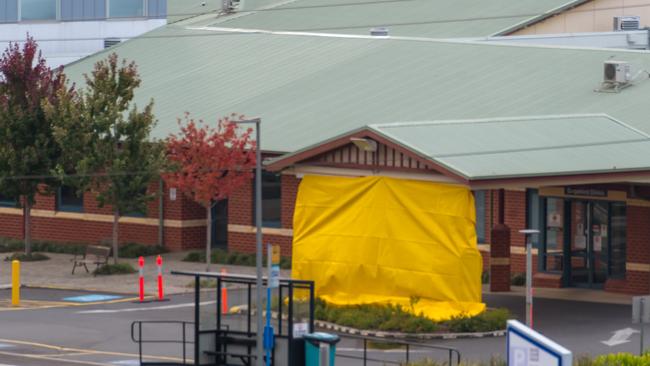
136,328
452,354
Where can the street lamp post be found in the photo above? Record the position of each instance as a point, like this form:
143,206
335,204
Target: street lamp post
259,349
529,274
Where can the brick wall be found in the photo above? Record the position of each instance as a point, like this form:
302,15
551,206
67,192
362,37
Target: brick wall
638,237
289,193
515,216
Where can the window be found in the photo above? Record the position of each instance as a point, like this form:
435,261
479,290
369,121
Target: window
271,200
618,229
38,9
479,202
532,214
552,250
68,200
7,201
126,8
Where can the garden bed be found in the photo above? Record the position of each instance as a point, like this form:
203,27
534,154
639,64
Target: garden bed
394,318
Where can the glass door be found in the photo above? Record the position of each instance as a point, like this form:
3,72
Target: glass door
599,242
589,243
579,249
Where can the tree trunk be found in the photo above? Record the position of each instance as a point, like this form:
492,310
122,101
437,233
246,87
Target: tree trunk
208,242
27,212
116,218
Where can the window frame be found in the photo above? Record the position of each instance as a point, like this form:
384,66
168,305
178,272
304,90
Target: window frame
8,202
110,17
481,236
57,14
274,224
66,207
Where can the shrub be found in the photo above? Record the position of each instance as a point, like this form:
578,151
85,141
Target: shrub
112,269
135,250
33,257
518,279
374,316
15,245
622,359
487,321
220,256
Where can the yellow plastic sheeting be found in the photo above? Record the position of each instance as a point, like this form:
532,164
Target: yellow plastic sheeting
385,240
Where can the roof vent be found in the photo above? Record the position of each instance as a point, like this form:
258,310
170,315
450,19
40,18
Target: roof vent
229,6
110,42
379,32
627,23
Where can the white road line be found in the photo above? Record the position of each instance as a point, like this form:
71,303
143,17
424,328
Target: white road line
127,310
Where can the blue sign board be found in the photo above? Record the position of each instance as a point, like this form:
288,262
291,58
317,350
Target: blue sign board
526,347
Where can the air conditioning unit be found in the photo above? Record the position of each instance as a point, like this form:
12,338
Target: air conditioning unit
627,23
617,72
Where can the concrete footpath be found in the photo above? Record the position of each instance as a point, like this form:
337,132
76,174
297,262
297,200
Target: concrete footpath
56,273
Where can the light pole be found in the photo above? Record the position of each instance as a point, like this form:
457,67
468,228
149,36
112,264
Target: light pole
259,351
529,274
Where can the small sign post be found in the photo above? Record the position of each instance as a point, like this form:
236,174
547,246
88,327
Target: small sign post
641,315
526,347
529,274
273,281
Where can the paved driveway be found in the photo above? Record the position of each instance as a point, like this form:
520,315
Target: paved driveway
99,334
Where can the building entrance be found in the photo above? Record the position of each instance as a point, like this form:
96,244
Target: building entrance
588,244
584,240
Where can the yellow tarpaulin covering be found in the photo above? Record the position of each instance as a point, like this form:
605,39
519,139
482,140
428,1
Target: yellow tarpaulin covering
385,240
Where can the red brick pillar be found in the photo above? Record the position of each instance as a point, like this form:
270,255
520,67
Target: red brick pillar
637,276
500,258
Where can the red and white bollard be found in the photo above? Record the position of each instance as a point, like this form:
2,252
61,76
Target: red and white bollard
224,295
141,264
161,294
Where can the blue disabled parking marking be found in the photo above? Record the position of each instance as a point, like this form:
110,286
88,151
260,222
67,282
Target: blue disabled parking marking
92,298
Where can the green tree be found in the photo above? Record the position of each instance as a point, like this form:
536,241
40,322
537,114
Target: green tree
28,150
107,140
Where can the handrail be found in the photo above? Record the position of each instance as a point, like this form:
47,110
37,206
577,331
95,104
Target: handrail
139,340
235,277
451,351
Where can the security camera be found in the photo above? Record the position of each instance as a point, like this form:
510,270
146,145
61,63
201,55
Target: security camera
202,3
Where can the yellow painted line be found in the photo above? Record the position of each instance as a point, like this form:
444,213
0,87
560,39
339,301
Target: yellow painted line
67,288
89,351
44,304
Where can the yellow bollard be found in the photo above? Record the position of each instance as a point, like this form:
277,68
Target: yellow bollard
15,283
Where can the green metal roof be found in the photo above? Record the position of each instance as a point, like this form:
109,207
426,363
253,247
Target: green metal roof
423,18
307,88
526,146
178,10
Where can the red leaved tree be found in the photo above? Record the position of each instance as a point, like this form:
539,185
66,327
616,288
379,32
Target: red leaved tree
208,163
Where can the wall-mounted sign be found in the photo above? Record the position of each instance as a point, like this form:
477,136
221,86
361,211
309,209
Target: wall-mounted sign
598,243
172,194
580,242
526,347
554,220
591,192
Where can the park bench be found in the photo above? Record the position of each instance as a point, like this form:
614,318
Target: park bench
94,254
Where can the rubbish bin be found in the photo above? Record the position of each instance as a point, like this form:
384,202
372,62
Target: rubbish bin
320,349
